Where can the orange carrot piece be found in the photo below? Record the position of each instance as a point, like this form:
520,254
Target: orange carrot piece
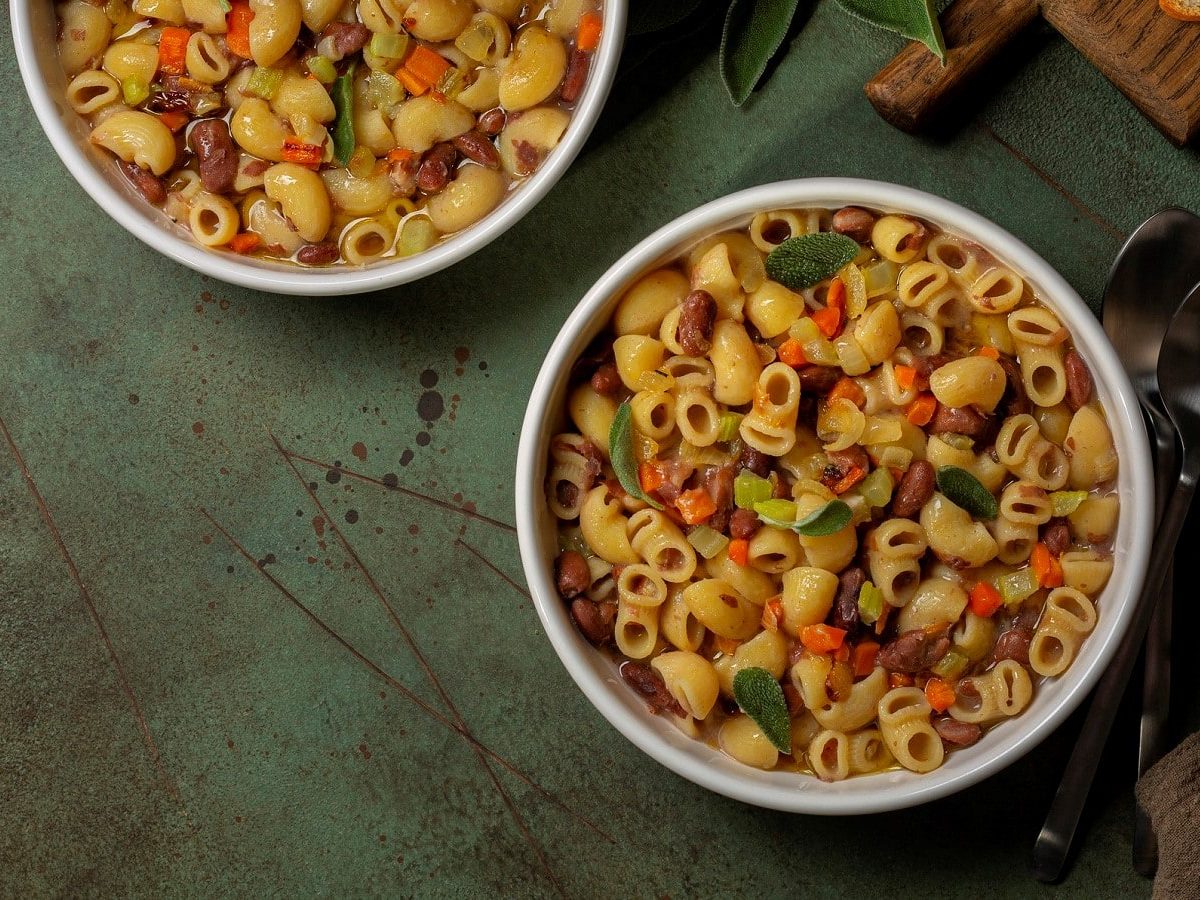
863,658
237,22
920,411
828,320
850,479
842,653
245,242
1047,569
836,297
985,600
695,506
906,376
174,119
296,151
847,388
989,352
402,155
791,353
739,551
650,474
940,695
426,65
822,638
587,38
411,82
881,622
172,50
772,614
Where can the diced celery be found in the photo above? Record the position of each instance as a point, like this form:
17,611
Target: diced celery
749,489
730,422
416,235
877,488
451,83
707,541
478,40
870,603
1066,502
1016,586
389,46
209,101
322,69
135,91
264,82
950,666
384,91
778,510
958,441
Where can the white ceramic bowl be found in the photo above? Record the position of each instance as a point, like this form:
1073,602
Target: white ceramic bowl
34,25
596,674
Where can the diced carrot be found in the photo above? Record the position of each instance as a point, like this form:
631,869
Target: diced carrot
411,82
940,695
1047,569
425,65
174,119
650,474
836,297
245,242
989,352
822,638
237,35
985,600
920,411
899,679
402,155
848,389
828,320
881,622
587,38
296,151
906,376
726,645
863,658
172,50
842,653
791,353
849,480
739,551
772,614
695,506
897,474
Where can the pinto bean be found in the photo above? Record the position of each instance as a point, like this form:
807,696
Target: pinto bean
914,651
917,238
696,319
845,604
571,574
434,171
1079,380
952,731
647,682
756,461
492,122
1056,535
318,254
606,381
1013,644
345,39
854,222
593,463
850,458
217,158
475,146
744,524
403,176
916,487
145,183
818,379
575,77
594,619
959,420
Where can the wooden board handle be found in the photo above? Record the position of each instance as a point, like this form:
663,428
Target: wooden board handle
910,90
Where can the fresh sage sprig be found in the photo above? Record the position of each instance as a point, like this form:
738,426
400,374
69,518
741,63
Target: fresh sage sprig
761,698
915,19
828,519
620,454
803,261
965,490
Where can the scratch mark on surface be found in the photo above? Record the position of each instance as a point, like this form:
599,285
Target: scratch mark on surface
406,491
393,682
122,678
516,586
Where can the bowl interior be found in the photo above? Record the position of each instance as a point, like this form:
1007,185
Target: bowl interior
34,29
596,674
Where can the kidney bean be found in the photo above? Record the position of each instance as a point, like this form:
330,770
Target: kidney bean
959,420
1079,380
217,158
925,365
756,461
345,39
475,146
434,171
492,122
845,604
915,489
914,651
403,176
952,731
571,573
647,682
848,459
818,379
917,238
1013,644
1056,535
575,77
321,254
593,463
696,318
1015,401
744,524
145,183
718,481
593,619
170,100
854,222
606,381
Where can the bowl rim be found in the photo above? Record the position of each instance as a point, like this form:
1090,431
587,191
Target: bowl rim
895,790
142,221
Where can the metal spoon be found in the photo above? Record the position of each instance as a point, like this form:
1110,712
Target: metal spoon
1136,319
1179,383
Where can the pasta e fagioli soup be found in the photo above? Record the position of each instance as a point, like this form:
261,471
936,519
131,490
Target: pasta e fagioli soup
836,492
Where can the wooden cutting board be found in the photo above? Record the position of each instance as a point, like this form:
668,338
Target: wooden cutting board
1152,58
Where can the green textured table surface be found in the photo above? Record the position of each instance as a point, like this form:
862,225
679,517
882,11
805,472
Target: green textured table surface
333,682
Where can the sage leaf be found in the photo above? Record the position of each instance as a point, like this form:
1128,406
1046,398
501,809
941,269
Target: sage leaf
620,453
761,698
803,261
829,519
915,19
753,33
964,489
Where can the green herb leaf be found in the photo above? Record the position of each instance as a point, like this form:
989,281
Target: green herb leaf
761,698
915,19
963,489
801,262
829,519
620,453
754,32
343,126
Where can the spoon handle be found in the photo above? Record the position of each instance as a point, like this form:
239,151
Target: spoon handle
1054,842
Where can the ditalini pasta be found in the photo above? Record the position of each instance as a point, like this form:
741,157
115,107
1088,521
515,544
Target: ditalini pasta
326,131
888,486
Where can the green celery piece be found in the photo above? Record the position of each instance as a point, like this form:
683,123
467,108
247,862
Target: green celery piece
870,603
343,125
828,519
803,261
754,32
914,19
620,452
761,698
749,489
730,421
1066,502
